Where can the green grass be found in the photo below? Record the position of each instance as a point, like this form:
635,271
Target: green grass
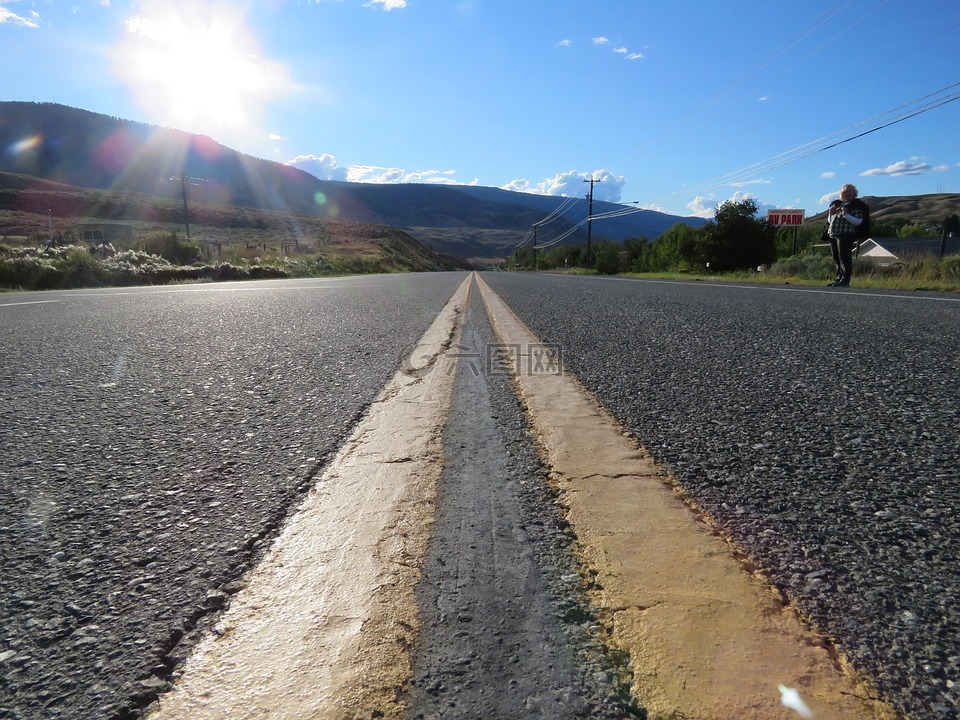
921,274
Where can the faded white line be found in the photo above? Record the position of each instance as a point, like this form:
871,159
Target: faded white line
29,302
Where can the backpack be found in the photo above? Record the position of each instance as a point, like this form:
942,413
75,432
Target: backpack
863,229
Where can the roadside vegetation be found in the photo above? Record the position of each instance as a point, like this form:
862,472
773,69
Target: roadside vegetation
165,257
734,246
738,246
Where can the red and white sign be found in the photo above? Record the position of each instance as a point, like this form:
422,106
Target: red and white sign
785,218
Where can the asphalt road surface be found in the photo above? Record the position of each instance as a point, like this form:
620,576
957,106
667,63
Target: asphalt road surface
506,631
820,427
153,441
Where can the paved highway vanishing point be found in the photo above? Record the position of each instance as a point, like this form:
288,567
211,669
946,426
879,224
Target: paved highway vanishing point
325,625
488,542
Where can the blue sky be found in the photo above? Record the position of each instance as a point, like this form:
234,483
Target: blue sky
676,106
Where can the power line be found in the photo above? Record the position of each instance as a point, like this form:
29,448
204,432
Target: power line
915,107
779,52
555,214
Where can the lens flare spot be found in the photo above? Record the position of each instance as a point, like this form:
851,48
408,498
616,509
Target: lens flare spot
320,199
29,143
789,697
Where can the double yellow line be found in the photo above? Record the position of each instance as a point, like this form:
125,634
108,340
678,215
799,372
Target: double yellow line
323,627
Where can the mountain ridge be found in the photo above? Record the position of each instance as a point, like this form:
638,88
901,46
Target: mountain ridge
84,149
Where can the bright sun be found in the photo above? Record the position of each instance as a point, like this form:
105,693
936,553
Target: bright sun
194,65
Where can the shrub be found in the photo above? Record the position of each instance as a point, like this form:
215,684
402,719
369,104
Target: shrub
950,268
133,267
807,267
29,272
79,268
170,247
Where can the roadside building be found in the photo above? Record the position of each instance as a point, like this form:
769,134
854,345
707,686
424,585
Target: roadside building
887,251
105,231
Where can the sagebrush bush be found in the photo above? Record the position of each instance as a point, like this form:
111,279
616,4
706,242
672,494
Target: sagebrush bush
29,272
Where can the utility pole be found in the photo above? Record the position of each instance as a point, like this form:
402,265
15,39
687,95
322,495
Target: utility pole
183,189
535,267
590,217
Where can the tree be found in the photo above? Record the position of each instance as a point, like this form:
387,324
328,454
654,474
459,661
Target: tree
635,249
606,257
917,230
736,239
800,239
676,249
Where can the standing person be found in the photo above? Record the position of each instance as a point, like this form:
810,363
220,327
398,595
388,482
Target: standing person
842,222
834,250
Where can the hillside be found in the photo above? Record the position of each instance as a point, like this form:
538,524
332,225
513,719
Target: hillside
917,209
34,208
82,149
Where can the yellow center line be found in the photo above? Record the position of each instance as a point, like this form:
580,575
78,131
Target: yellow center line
707,637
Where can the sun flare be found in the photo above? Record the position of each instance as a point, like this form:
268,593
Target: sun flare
196,66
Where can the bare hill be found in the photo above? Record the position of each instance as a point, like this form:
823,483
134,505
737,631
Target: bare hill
917,209
33,208
82,149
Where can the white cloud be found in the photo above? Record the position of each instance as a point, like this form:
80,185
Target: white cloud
830,174
565,43
146,27
941,168
758,181
275,137
572,184
703,207
388,5
829,198
320,166
11,18
627,55
374,174
393,176
325,167
706,207
600,40
913,166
